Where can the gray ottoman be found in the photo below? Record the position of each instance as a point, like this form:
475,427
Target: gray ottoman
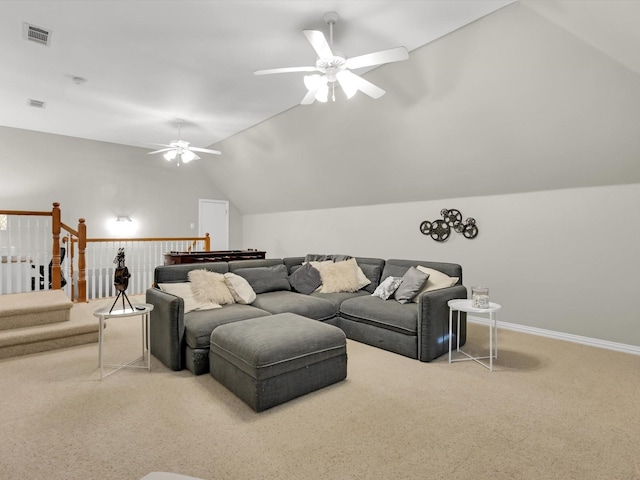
269,360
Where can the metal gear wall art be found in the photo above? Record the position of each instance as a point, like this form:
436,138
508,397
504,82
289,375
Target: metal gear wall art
440,229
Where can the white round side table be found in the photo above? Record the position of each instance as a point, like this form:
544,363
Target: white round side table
466,305
141,309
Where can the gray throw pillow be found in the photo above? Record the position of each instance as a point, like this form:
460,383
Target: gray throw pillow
305,279
412,283
266,279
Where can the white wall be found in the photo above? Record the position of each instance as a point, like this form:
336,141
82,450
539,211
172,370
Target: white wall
99,181
562,260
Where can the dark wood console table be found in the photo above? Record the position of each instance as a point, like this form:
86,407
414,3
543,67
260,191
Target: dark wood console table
177,258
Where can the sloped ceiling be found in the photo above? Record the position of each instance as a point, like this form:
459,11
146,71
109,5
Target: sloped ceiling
149,62
517,101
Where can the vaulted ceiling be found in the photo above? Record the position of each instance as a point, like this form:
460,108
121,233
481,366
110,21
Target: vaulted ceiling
496,97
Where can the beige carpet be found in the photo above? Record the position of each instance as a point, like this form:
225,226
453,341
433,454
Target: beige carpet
550,410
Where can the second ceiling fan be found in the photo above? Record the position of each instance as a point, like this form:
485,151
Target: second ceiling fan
333,67
181,150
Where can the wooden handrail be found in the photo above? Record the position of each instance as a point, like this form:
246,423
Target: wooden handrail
79,236
25,213
151,239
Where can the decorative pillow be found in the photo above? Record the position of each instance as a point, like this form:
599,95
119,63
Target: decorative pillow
340,277
183,290
387,287
305,279
239,288
266,279
436,281
209,286
412,283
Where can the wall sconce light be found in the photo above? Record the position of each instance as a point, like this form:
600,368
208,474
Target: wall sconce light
122,226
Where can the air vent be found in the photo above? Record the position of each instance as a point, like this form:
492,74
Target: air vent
36,103
37,34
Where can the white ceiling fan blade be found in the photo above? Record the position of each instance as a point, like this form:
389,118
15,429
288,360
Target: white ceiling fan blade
161,150
365,86
378,58
345,79
205,150
309,98
269,71
319,43
312,82
323,93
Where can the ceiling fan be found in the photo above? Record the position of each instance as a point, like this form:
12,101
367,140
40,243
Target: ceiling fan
181,150
335,67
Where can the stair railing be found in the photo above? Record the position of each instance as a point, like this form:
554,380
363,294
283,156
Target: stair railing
27,245
27,240
142,256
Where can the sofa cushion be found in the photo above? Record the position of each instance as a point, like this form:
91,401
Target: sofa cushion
305,279
393,271
183,290
412,282
305,305
239,288
266,279
372,272
338,297
387,288
198,325
210,287
391,315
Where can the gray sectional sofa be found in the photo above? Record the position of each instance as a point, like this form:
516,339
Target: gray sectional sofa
417,329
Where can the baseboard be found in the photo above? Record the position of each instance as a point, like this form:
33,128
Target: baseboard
592,342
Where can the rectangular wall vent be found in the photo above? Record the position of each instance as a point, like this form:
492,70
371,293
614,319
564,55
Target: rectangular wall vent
37,103
37,34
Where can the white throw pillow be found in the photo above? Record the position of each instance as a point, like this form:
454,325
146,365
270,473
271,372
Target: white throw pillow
436,281
210,286
239,288
340,277
183,290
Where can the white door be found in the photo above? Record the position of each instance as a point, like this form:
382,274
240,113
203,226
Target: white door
214,220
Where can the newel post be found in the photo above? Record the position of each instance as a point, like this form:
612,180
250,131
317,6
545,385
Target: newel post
82,264
56,283
207,243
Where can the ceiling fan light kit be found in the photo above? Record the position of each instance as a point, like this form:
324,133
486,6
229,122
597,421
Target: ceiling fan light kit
180,150
334,67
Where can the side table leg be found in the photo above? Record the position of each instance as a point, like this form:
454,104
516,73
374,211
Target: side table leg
100,340
495,319
450,330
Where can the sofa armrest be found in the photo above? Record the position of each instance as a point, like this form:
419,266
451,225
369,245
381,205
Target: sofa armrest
433,322
167,328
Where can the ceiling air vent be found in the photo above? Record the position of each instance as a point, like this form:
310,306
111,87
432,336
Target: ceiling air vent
37,103
36,34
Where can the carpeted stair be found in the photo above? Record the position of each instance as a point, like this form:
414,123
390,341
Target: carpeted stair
40,321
